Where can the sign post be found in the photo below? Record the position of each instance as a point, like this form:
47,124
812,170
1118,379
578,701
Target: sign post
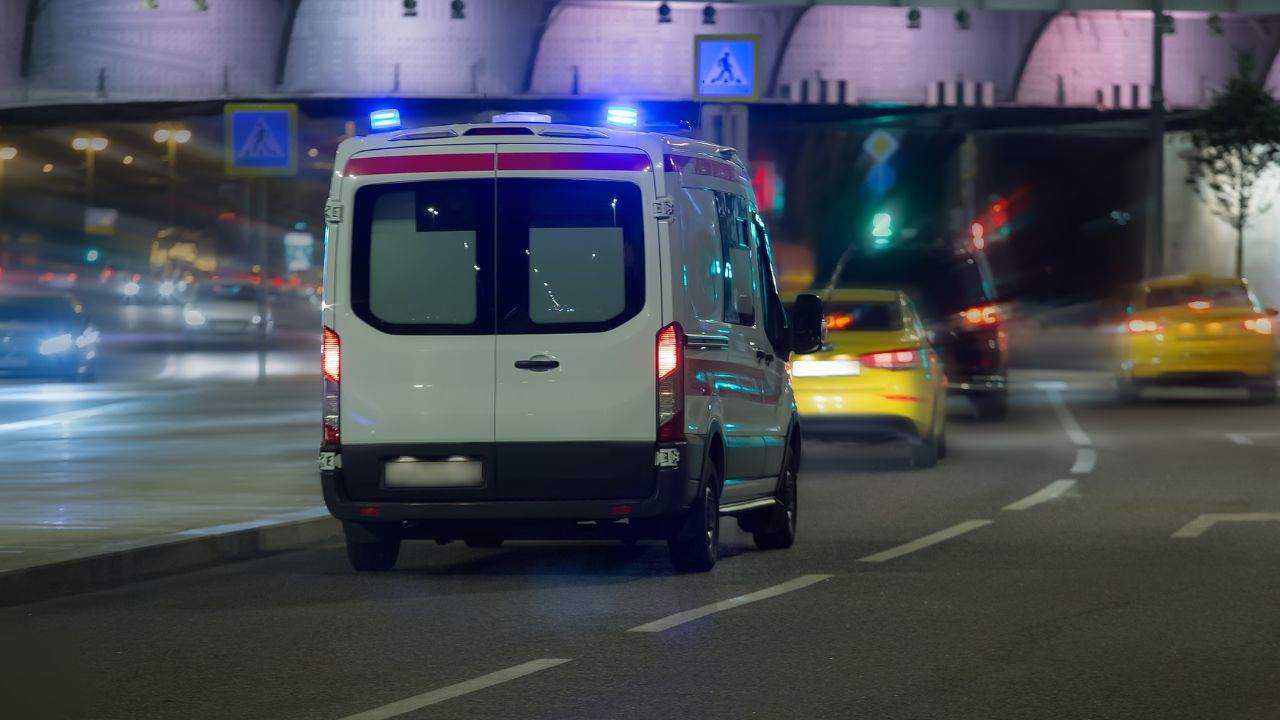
260,140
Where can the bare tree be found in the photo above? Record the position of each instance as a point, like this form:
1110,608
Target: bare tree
1234,149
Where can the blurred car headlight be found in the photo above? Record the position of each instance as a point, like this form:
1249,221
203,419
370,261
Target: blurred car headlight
255,319
56,344
193,317
87,338
130,289
166,288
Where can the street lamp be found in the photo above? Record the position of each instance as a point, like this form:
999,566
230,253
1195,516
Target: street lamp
7,153
90,146
171,138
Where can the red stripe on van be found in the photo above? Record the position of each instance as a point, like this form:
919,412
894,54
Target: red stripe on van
397,164
700,166
574,161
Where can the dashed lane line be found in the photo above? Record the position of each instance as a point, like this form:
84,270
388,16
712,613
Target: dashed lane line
681,618
926,541
1052,491
433,697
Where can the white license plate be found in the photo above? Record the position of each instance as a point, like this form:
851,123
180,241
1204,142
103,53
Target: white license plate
450,473
825,368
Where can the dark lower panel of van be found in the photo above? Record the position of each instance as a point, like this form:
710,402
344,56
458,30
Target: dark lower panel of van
511,471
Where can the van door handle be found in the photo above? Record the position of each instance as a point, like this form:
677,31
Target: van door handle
537,365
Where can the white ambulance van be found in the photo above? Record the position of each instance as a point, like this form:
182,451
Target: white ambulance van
536,330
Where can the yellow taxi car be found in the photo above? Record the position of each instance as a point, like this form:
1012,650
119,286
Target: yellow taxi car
877,377
1197,330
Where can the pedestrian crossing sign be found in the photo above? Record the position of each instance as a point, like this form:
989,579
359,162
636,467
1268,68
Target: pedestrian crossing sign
260,139
726,67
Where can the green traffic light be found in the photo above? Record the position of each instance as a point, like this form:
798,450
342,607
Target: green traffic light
881,226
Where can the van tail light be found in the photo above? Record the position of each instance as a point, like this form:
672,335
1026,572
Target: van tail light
904,359
981,316
331,369
1139,326
669,356
1260,325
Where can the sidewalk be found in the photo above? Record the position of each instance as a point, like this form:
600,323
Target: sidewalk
96,470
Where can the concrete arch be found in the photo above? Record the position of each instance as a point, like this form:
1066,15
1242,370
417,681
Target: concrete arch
347,47
874,50
1091,51
620,49
119,49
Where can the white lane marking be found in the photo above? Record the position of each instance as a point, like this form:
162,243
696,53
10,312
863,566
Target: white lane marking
1197,527
1049,492
1086,459
926,541
261,522
1069,424
1239,438
434,697
680,618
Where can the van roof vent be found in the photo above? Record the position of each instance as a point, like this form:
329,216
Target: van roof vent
573,133
507,130
435,134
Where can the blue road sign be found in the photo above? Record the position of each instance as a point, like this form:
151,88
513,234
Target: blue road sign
260,139
726,67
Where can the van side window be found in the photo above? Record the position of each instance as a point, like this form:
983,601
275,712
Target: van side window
703,255
775,319
739,274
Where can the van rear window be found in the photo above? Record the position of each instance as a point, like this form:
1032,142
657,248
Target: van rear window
522,255
421,258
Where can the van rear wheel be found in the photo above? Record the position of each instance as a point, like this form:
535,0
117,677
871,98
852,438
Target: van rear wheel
371,549
695,545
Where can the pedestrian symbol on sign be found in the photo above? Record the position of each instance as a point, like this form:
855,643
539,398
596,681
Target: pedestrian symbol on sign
261,143
261,139
725,67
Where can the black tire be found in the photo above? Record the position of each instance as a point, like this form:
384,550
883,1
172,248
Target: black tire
1263,392
695,545
777,529
372,551
1126,392
994,406
942,444
483,542
924,452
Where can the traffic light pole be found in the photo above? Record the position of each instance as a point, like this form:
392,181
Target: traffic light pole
264,301
1155,199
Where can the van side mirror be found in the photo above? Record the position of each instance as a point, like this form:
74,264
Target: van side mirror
807,328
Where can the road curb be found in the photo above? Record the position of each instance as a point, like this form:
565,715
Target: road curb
171,555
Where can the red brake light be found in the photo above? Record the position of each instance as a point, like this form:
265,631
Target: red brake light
903,359
669,367
1143,326
331,370
331,357
981,315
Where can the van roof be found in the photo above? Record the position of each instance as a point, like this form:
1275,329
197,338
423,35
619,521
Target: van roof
655,144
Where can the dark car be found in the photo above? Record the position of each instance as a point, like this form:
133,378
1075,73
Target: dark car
954,292
46,336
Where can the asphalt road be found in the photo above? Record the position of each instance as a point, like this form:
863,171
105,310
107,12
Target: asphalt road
1056,588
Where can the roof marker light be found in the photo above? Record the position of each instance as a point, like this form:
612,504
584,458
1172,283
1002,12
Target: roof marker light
622,116
522,117
387,119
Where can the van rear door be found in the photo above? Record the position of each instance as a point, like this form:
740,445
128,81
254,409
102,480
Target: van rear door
414,306
578,308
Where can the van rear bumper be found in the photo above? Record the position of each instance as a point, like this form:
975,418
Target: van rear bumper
556,491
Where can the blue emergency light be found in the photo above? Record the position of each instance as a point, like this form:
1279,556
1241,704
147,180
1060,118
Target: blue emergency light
622,116
387,119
